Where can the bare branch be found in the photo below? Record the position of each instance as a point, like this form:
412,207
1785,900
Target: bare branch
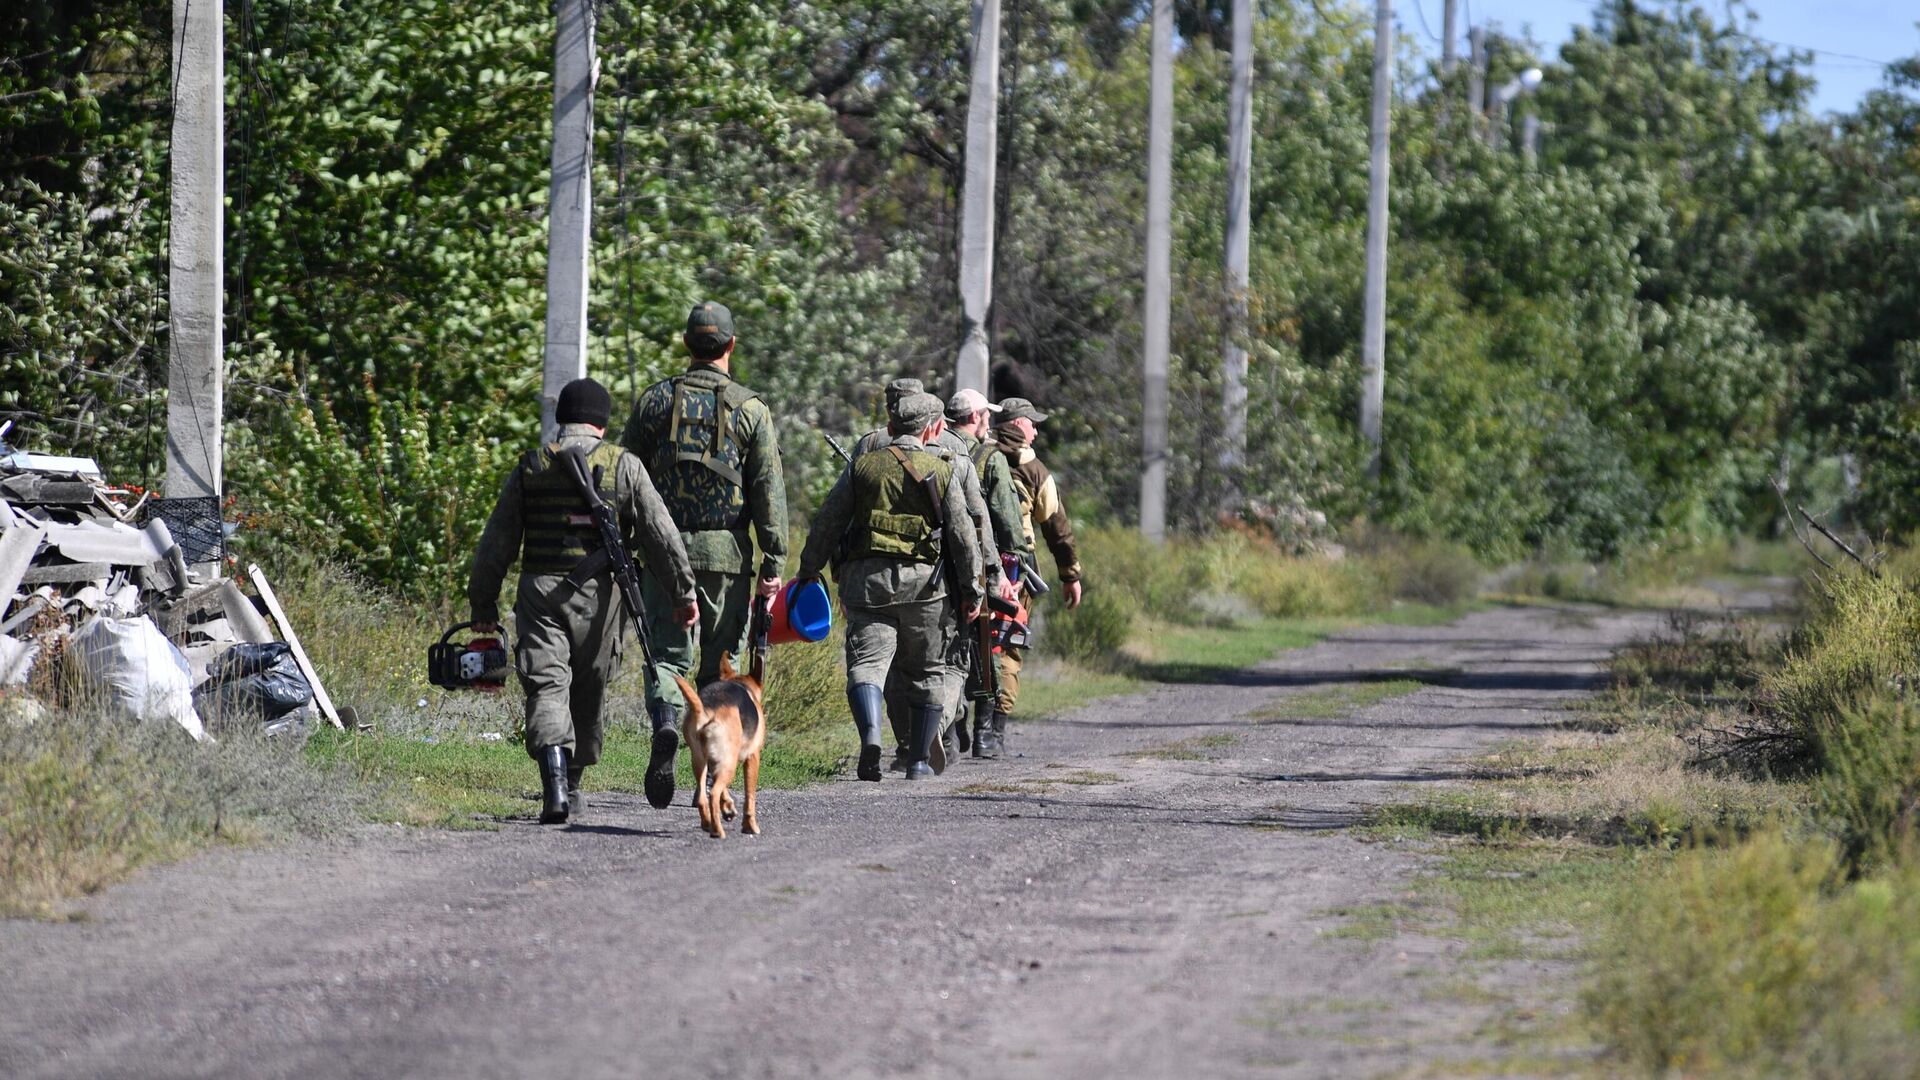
1837,542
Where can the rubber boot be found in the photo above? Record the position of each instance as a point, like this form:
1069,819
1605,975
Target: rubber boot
926,731
575,801
1000,731
553,785
897,719
666,744
869,707
986,738
962,734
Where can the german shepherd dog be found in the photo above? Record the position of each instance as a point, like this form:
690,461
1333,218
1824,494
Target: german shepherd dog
725,731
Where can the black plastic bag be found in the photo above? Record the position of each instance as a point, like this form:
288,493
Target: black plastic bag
254,682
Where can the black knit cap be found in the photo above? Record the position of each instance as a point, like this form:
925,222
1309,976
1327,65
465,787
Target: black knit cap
584,401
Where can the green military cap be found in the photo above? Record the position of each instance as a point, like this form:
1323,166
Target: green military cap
1018,408
709,326
900,388
914,411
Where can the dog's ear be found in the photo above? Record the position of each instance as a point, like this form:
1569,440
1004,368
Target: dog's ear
726,666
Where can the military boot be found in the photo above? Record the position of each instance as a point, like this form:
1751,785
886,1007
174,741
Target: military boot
926,732
869,706
666,745
1000,731
986,738
553,785
575,801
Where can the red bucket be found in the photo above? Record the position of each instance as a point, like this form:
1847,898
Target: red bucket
801,612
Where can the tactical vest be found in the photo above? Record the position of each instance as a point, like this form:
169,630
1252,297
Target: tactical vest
697,468
893,515
557,531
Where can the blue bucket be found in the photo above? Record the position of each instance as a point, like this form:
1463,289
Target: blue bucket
801,612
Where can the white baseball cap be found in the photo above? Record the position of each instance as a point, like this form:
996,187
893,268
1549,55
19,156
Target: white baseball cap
964,403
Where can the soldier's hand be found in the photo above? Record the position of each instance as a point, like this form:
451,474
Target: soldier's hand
1073,594
972,612
769,585
688,614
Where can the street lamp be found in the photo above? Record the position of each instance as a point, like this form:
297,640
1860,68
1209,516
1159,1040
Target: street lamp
1522,84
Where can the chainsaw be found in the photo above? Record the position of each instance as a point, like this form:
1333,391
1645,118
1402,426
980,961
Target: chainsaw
481,664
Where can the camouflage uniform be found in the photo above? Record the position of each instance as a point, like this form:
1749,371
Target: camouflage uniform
952,448
710,444
899,614
1042,515
570,635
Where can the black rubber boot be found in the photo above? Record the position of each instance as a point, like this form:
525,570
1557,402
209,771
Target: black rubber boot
962,734
666,744
868,705
575,801
986,737
553,785
926,731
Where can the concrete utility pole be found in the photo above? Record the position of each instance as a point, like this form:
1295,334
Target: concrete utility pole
1239,209
1449,36
972,368
196,383
1153,413
1373,342
1476,74
569,205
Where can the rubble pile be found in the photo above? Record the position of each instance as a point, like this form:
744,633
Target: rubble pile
100,603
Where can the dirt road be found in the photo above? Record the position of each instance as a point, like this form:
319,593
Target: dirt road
1146,891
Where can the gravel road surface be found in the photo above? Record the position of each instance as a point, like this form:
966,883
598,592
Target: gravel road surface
1148,889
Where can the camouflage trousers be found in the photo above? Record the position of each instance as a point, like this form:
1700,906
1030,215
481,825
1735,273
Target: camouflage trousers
902,645
568,650
726,605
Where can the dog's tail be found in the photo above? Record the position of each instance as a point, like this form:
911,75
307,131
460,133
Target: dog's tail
692,696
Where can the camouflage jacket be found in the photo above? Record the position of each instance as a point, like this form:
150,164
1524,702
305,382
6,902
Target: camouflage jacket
870,583
952,448
643,518
726,550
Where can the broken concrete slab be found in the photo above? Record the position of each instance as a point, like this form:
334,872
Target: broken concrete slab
67,574
105,542
17,549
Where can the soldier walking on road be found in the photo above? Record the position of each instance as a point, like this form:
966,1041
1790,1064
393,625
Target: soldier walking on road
953,450
968,415
1042,514
901,515
711,446
568,612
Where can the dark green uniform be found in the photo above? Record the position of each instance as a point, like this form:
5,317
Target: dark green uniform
570,630
710,444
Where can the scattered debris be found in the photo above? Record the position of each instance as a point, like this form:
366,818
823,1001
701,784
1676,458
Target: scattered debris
100,601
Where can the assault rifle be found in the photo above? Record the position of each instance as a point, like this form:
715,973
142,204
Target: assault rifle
837,448
613,551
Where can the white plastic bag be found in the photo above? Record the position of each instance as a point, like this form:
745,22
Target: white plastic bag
138,670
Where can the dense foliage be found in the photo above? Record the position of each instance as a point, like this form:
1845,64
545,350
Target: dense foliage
1697,285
